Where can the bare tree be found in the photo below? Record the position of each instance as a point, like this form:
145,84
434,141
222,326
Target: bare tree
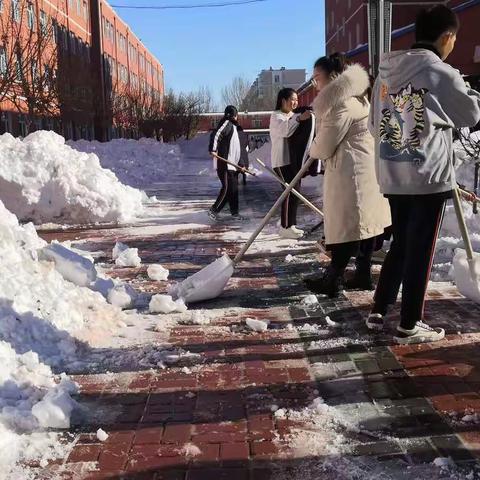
236,92
28,61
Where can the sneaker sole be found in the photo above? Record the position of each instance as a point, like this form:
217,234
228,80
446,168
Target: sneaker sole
418,339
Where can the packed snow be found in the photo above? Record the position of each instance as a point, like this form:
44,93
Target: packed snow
44,180
128,258
257,325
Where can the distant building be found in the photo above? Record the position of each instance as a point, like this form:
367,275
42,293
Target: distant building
264,90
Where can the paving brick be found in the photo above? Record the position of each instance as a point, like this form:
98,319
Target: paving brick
177,433
84,453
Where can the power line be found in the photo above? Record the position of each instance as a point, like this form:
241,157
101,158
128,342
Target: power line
185,7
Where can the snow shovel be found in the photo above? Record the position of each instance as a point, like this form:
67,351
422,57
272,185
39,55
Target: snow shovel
295,192
238,167
210,282
466,263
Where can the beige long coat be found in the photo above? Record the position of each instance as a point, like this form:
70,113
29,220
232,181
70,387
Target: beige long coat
353,205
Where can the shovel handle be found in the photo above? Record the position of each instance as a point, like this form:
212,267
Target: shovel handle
462,224
238,167
295,192
272,211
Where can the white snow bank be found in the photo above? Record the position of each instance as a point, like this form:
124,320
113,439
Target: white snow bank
42,318
135,162
42,179
122,296
166,304
157,272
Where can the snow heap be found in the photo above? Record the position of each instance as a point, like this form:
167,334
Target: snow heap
135,162
44,180
42,318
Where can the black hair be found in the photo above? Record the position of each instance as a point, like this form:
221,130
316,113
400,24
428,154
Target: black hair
230,112
284,94
335,63
431,24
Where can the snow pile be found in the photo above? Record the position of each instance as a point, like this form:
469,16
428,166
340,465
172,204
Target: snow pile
43,319
42,179
157,273
122,296
135,162
166,304
102,435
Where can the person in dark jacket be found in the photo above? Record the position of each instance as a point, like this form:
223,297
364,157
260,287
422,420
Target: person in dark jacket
225,142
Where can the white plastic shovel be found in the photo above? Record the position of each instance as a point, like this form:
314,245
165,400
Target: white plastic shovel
211,280
466,263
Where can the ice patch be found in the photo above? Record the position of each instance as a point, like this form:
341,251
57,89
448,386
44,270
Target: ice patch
102,435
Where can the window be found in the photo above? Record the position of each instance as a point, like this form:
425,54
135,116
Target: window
30,16
333,20
22,125
79,7
349,40
16,10
34,71
85,10
43,22
343,26
358,34
18,67
277,79
3,61
1,5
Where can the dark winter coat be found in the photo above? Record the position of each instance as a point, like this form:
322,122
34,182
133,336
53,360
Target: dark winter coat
300,141
244,161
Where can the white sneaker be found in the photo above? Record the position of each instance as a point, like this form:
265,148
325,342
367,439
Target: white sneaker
289,233
422,333
375,321
298,230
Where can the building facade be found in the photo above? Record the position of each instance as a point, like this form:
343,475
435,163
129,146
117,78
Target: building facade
346,27
264,89
96,54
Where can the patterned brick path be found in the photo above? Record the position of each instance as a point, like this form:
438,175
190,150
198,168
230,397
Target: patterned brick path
216,416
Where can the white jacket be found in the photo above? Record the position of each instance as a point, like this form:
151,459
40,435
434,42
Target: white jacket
282,126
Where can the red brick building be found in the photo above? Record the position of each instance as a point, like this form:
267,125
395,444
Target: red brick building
346,27
96,53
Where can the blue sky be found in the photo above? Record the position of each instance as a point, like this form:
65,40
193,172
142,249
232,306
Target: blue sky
211,46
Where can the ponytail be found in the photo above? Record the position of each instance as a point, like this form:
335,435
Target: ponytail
333,64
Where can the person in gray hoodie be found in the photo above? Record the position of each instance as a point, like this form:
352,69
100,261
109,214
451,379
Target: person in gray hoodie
417,101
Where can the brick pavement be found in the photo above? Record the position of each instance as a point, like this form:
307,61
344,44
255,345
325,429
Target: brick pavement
213,417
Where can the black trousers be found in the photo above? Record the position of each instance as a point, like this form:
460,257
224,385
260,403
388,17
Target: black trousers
228,192
290,204
416,222
342,252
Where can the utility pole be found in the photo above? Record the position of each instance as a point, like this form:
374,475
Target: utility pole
379,32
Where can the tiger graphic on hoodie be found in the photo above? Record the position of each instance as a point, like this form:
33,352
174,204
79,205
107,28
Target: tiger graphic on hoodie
402,124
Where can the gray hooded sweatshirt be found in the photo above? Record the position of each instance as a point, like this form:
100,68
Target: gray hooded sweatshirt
417,100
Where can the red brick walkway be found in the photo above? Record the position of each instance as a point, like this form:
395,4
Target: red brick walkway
216,415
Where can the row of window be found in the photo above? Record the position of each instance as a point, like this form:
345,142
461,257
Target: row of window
80,6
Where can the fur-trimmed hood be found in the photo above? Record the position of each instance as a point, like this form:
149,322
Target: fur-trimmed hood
353,82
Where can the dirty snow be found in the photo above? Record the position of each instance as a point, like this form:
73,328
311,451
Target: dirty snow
157,272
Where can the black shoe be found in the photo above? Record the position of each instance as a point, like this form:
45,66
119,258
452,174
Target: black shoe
239,218
330,284
212,215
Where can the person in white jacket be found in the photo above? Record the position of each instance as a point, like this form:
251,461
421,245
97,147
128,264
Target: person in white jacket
283,123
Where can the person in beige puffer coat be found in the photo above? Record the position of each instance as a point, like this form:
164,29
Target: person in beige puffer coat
355,210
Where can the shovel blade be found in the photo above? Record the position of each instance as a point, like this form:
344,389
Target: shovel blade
467,275
207,283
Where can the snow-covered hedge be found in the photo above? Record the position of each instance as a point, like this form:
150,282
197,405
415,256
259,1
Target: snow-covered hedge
44,180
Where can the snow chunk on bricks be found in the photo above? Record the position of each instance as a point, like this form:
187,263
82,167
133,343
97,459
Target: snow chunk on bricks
44,180
166,304
257,325
128,258
157,272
